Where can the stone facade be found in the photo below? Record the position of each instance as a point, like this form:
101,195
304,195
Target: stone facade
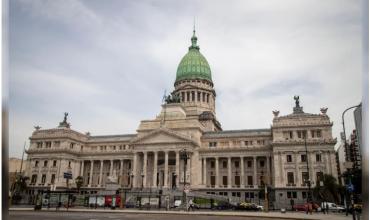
233,163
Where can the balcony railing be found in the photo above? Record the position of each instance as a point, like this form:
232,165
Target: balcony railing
290,184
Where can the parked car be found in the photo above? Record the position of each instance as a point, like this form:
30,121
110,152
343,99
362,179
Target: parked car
304,207
249,206
222,205
333,207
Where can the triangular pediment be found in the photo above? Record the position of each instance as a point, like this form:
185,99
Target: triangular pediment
162,135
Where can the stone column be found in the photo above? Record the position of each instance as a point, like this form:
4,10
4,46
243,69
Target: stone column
82,168
205,171
217,173
328,165
242,182
310,162
111,168
155,169
178,169
255,171
229,174
48,176
297,182
121,173
101,173
166,169
134,171
91,172
277,173
145,164
188,169
268,170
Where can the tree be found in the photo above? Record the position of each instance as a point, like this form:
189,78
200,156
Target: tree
79,182
330,191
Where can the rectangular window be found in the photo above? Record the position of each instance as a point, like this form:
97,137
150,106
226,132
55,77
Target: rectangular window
290,176
224,180
43,178
319,133
237,180
52,178
294,194
212,164
318,157
192,96
207,98
262,163
249,163
262,182
303,157
36,163
45,163
289,195
246,143
69,164
48,144
250,180
39,144
288,158
34,179
188,96
71,145
236,164
319,177
198,97
54,163
183,96
224,164
304,177
299,134
212,144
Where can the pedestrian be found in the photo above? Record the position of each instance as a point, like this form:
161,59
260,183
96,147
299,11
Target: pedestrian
191,205
323,207
310,207
327,208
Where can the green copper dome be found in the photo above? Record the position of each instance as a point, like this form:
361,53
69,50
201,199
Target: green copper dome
193,65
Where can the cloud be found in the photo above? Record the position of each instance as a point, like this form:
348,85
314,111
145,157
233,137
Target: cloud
108,63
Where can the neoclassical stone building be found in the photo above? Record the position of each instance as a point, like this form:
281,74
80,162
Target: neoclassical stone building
233,163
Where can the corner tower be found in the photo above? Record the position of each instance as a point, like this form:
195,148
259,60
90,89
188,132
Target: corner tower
193,82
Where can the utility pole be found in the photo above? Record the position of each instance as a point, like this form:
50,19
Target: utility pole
346,149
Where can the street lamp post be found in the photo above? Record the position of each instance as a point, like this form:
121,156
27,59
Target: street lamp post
131,180
142,180
345,147
184,155
309,194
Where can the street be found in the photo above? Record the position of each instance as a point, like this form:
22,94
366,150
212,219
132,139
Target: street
32,215
163,215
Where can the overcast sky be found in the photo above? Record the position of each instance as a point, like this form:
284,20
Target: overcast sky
108,62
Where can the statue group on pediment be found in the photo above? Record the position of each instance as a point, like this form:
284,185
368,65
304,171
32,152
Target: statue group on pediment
173,98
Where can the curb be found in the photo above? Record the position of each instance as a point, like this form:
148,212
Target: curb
272,215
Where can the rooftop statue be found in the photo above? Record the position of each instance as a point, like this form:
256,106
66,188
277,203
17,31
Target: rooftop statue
296,98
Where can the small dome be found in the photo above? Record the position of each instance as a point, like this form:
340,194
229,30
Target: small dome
193,65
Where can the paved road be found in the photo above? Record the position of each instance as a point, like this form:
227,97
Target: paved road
31,215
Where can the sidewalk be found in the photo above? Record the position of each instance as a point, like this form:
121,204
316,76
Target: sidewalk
271,214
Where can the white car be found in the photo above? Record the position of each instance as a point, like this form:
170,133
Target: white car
259,207
177,203
332,207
